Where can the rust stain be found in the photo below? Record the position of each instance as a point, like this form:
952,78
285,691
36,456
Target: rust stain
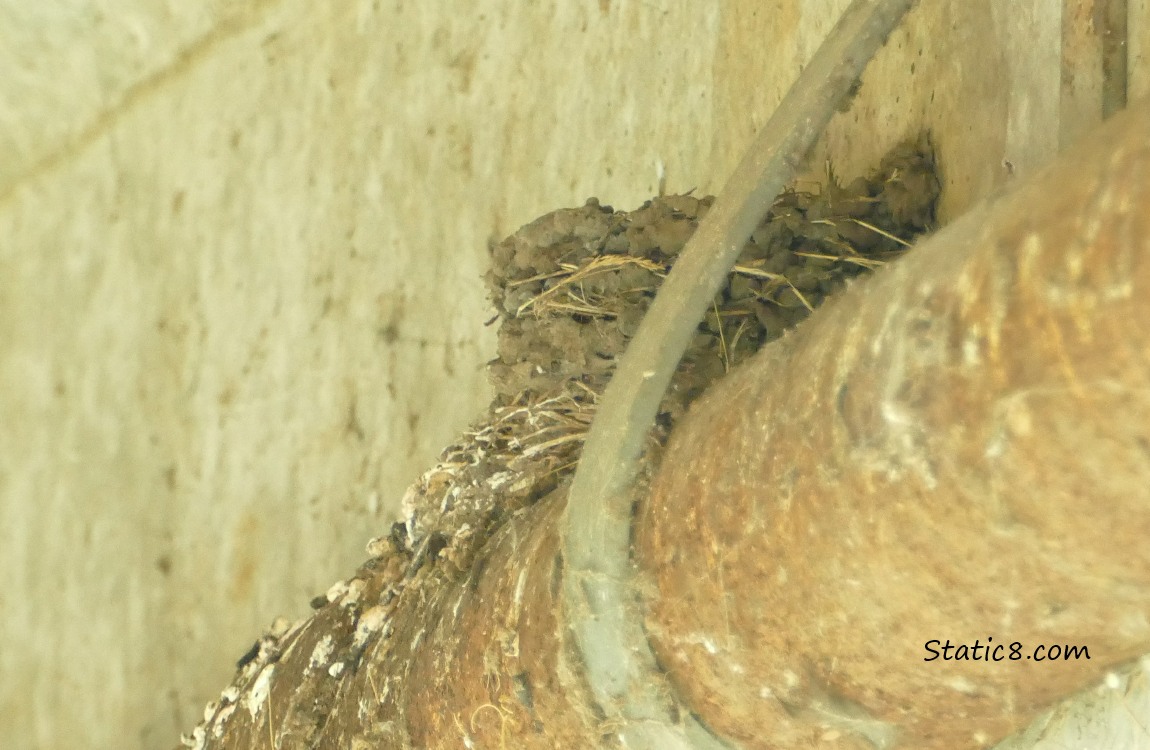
245,540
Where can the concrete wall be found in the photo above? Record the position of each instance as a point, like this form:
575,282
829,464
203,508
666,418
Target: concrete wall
240,250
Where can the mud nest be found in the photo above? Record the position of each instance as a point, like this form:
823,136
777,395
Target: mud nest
570,289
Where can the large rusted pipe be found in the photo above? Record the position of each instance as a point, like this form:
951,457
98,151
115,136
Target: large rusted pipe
957,448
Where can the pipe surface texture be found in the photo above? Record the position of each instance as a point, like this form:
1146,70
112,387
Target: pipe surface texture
956,449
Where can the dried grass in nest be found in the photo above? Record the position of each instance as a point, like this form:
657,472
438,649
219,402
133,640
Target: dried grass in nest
498,467
543,303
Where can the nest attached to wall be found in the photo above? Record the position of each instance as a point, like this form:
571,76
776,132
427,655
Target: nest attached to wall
570,289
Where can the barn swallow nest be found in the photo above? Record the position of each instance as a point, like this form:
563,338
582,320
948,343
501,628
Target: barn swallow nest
570,289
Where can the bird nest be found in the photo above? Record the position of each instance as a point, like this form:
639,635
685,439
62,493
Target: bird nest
570,289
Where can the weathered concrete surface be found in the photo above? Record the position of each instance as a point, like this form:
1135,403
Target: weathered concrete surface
239,306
